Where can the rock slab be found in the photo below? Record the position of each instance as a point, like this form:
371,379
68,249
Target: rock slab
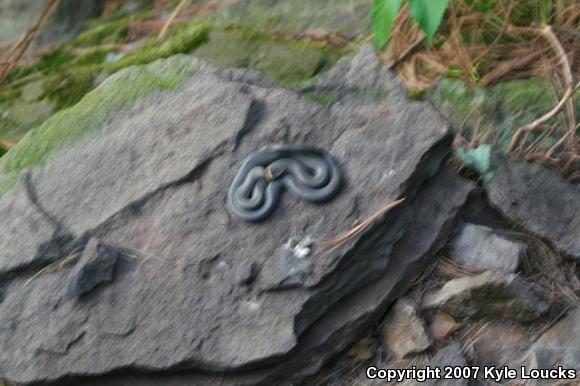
558,346
538,200
201,291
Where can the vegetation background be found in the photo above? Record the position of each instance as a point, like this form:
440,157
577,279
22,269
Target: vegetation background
505,72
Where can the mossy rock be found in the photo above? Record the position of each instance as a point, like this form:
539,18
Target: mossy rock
185,39
68,77
288,62
120,91
21,117
502,108
108,33
349,17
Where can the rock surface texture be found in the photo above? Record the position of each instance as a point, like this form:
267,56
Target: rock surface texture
558,346
538,200
197,296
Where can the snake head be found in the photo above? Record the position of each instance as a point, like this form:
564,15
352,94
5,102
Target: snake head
273,172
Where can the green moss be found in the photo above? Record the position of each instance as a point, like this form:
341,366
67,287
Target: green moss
91,56
288,62
322,99
67,87
415,95
296,16
501,108
184,40
9,94
112,32
53,60
3,150
119,91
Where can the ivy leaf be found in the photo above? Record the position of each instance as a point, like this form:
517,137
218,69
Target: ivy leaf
428,14
383,16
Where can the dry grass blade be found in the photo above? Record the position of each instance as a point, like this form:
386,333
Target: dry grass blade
56,266
172,17
451,269
339,240
22,45
137,253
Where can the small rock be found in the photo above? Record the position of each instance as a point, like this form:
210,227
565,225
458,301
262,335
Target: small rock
480,248
248,273
559,345
361,350
403,331
443,326
32,91
497,344
96,266
493,294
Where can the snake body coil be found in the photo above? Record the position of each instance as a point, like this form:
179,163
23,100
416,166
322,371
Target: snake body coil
308,172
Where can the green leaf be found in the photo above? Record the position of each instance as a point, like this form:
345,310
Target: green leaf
383,16
428,14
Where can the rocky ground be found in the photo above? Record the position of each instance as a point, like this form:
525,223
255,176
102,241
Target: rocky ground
120,264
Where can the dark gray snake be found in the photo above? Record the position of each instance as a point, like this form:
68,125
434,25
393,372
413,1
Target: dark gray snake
310,173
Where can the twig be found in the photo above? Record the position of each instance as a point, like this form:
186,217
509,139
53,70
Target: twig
23,43
568,78
406,53
174,14
503,30
543,119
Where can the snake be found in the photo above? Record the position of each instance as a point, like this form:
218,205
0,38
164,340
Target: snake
306,171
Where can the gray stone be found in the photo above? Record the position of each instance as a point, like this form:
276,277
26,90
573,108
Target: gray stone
358,80
492,294
96,266
538,200
480,248
403,332
153,180
558,346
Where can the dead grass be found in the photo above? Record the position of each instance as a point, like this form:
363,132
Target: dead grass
331,244
556,273
511,40
12,57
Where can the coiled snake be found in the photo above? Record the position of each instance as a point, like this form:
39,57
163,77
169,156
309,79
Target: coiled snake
308,172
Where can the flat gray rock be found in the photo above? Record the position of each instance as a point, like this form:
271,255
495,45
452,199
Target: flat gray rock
478,247
198,289
432,213
492,294
538,200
